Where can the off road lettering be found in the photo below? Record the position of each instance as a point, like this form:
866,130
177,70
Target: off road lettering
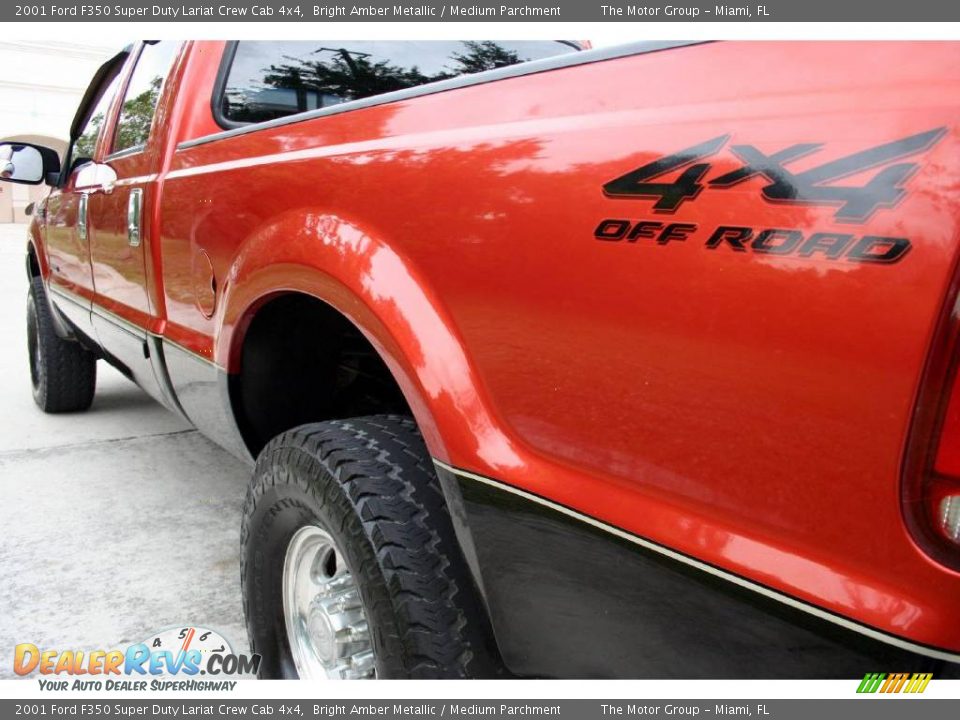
764,241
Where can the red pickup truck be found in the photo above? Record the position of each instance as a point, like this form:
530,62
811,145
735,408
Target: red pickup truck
632,362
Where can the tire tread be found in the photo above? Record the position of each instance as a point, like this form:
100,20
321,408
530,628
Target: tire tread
384,472
69,376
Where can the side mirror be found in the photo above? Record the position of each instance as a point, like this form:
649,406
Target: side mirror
28,164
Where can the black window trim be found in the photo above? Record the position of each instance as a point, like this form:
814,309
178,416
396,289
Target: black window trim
220,88
525,68
99,84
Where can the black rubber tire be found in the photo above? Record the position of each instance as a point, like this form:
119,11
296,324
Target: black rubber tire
63,373
369,482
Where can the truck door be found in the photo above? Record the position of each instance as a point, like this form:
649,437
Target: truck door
67,209
125,311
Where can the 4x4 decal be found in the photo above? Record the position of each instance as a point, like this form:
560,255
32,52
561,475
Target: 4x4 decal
671,194
810,187
817,186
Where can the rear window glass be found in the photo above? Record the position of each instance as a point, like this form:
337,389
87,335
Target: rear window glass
268,80
143,92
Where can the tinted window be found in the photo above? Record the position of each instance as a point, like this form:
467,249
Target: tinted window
268,80
87,142
143,92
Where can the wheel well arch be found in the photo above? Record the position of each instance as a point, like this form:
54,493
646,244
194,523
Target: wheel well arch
300,360
33,262
362,278
297,359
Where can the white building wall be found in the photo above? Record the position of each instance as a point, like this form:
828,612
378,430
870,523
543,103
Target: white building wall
41,84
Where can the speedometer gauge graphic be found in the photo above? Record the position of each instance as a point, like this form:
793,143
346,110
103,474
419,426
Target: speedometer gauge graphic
178,641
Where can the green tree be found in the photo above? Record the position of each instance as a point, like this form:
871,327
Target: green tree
485,55
136,116
351,75
87,142
345,75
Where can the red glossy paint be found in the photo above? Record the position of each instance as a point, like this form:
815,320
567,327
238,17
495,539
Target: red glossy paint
749,410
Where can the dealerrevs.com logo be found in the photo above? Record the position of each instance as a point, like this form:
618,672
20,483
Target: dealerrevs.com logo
168,660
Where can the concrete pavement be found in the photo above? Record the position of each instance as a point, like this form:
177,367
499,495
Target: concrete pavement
117,522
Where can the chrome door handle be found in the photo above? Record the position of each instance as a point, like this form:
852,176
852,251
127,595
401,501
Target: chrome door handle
134,216
82,218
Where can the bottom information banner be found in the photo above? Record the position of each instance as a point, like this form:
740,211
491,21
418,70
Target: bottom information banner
874,708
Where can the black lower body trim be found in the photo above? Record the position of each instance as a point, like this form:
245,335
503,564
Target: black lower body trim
567,599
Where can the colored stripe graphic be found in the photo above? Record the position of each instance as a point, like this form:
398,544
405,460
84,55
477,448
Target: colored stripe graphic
870,682
894,683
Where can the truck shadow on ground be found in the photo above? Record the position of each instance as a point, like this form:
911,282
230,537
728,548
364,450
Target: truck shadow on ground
122,396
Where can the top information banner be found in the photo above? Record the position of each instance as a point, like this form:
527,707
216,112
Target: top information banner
552,10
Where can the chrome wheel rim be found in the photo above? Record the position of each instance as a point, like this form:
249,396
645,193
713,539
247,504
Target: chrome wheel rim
325,620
